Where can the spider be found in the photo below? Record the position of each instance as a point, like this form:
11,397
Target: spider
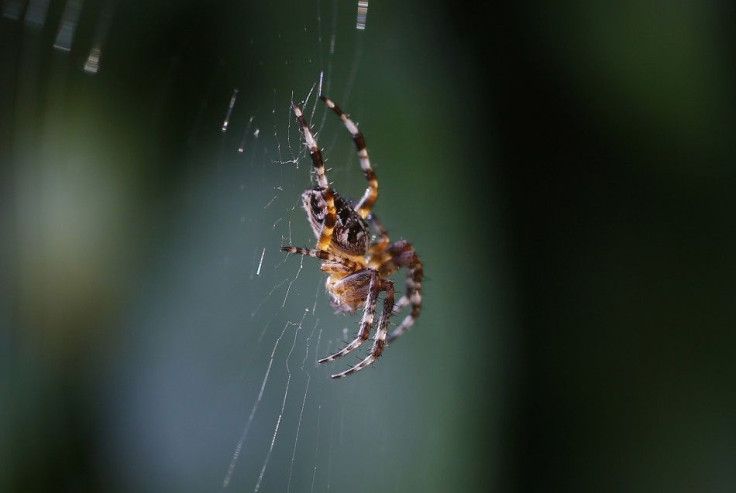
357,263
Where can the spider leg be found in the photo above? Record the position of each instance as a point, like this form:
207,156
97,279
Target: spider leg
319,168
379,340
322,255
366,322
402,254
363,207
378,227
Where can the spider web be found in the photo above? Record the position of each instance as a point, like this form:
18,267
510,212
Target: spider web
215,384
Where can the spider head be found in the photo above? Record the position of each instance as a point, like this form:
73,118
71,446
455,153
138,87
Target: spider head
350,236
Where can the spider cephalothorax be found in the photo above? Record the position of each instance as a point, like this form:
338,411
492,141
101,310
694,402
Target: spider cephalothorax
350,234
357,268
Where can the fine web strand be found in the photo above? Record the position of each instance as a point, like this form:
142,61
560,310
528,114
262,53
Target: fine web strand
301,265
278,189
239,446
268,296
354,65
284,281
283,405
304,402
241,148
316,447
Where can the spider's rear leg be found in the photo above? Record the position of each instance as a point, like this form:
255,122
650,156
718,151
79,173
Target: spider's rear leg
346,294
380,339
401,254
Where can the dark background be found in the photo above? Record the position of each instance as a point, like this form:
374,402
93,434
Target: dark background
570,174
616,132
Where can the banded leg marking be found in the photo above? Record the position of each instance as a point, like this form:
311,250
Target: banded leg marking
364,206
365,323
378,227
319,168
402,254
379,341
322,255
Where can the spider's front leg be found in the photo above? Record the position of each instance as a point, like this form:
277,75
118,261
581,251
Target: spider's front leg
322,255
318,164
383,240
364,206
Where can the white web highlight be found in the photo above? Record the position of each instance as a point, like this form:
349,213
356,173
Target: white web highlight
283,406
301,409
251,415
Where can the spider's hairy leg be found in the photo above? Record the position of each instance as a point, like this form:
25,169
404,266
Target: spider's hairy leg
311,144
380,339
319,168
363,207
322,255
378,227
401,254
369,312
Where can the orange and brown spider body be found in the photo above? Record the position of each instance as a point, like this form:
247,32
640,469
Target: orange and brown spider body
357,266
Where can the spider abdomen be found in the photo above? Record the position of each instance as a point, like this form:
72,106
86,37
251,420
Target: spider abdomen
349,293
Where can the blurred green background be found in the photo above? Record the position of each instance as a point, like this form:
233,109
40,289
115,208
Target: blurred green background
565,171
